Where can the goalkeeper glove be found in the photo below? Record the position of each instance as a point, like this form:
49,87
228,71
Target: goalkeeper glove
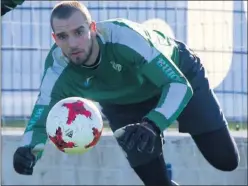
8,5
144,137
24,161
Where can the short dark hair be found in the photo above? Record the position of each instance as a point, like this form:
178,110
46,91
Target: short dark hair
65,9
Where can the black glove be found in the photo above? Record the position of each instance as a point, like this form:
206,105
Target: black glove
24,161
144,136
8,5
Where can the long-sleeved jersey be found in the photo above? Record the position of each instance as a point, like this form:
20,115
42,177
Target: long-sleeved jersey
136,64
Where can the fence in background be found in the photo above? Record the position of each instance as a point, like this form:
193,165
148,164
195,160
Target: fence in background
217,31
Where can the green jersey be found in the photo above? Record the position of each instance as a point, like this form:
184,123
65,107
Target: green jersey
136,63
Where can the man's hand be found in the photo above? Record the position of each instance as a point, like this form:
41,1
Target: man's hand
145,137
24,161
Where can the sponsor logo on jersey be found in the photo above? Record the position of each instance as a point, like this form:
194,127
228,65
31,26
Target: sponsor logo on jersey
88,81
168,70
35,117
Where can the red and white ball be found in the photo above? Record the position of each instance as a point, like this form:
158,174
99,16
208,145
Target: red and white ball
74,125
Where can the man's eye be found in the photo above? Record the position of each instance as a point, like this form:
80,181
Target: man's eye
61,37
79,32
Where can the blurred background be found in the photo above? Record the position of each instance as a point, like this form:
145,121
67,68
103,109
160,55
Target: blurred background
217,31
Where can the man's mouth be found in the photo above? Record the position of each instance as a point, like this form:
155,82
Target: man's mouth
76,53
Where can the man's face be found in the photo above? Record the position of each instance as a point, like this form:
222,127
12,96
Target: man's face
74,36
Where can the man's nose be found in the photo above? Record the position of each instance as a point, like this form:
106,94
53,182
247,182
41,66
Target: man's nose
72,42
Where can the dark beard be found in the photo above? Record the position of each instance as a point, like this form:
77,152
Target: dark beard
88,56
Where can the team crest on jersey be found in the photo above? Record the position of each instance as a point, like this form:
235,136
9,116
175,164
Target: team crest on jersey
116,66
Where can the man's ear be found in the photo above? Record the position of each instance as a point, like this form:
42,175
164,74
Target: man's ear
54,36
93,26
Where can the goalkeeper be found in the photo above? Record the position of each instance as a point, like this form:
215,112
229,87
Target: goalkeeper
142,79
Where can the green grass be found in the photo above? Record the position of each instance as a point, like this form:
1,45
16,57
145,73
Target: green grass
22,123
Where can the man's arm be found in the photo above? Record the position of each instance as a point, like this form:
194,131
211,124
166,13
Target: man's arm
176,90
154,57
35,135
8,5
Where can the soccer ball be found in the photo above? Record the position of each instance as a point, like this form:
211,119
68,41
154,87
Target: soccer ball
74,125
